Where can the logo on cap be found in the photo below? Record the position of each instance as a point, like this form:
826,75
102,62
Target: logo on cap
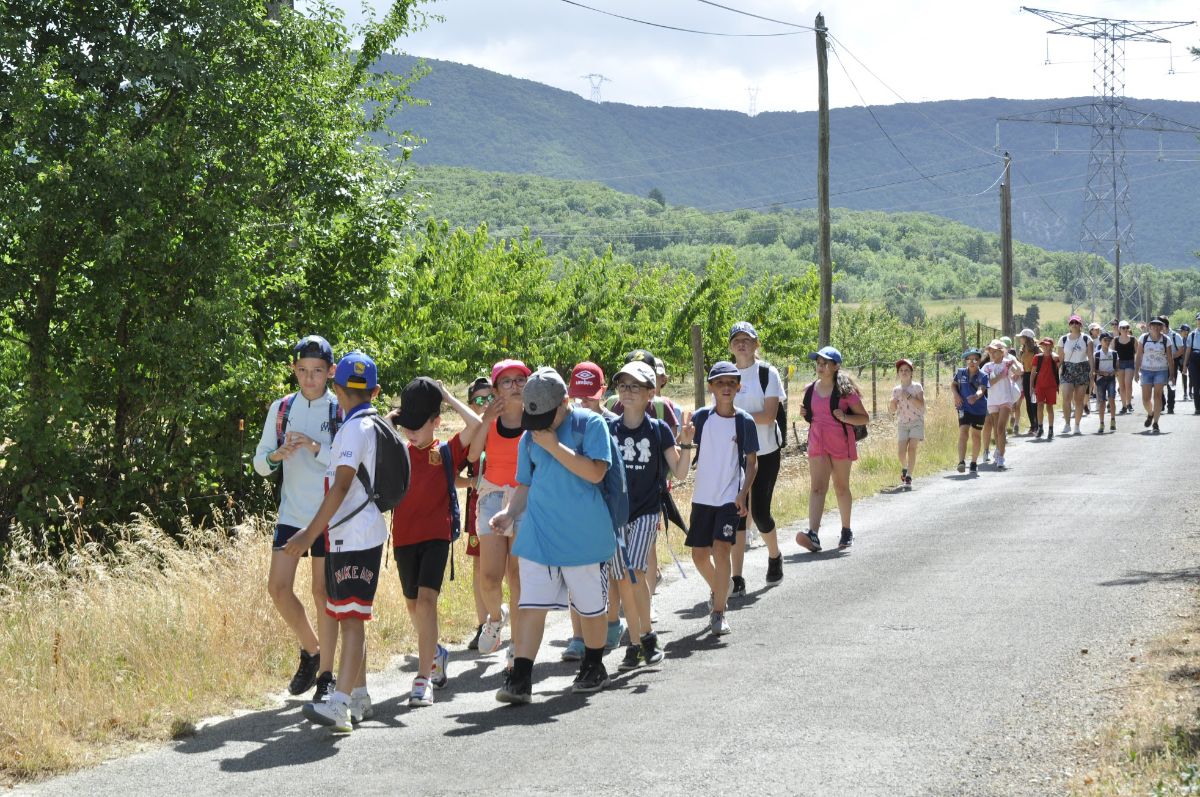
585,377
360,368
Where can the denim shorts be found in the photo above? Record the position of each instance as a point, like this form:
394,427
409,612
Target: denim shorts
1106,388
1125,365
1152,378
489,504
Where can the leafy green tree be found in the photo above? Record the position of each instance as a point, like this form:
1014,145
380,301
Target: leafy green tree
658,197
187,186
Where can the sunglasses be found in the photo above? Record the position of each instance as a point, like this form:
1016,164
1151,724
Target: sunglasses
480,401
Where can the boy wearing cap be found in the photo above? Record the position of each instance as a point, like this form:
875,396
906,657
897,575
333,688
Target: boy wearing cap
566,536
725,470
298,431
969,390
1106,381
422,521
648,454
355,533
659,407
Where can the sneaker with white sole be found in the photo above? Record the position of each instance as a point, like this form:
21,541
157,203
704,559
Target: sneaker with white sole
515,691
510,656
422,692
718,624
491,637
591,678
437,674
632,660
326,686
615,632
651,652
1066,428
809,539
333,713
360,707
306,673
574,650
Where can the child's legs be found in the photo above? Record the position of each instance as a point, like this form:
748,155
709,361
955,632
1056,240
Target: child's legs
841,486
614,603
989,431
1125,378
514,596
739,549
902,453
477,591
723,568
576,627
652,567
327,627
587,591
636,600
819,469
493,563
1001,427
423,613
975,435
532,624
352,669
281,579
702,559
963,433
911,451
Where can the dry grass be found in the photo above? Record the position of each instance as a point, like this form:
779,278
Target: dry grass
108,650
1153,745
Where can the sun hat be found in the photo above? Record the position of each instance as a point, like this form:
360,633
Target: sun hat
1006,340
356,370
996,344
587,381
640,372
1046,342
505,365
724,368
904,361
420,402
827,353
543,395
1027,333
1157,320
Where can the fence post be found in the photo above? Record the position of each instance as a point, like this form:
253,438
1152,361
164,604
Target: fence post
698,365
937,375
922,370
978,334
874,406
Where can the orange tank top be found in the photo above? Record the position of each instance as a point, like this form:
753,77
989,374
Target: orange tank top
500,466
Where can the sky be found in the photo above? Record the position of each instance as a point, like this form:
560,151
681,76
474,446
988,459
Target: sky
884,51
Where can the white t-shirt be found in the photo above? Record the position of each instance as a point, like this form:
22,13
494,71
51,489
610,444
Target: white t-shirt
1003,392
1155,353
718,472
304,473
1076,350
354,445
750,397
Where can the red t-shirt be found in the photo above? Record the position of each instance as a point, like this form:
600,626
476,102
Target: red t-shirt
424,513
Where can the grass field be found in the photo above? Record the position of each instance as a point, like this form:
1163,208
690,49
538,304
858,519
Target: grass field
987,311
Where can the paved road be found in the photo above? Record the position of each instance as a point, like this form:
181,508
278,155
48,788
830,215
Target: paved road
944,656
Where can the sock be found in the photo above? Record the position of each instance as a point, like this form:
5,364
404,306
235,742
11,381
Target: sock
340,697
522,669
739,580
846,530
592,656
904,471
614,623
359,691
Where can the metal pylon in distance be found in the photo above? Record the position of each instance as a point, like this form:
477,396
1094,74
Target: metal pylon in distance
596,80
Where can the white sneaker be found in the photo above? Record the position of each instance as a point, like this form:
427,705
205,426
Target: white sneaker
1077,429
334,713
437,674
422,692
1066,428
492,635
360,707
504,614
509,658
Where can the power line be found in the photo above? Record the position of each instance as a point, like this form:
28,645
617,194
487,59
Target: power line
681,30
756,16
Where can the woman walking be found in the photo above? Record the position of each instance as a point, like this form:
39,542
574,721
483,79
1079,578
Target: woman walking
1126,346
1029,350
1003,374
833,408
1075,352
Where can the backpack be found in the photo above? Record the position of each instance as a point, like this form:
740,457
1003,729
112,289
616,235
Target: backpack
1113,354
860,432
1039,359
612,486
392,468
740,419
1085,338
455,509
284,412
658,427
764,377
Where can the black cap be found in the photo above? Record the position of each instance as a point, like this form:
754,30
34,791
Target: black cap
420,401
480,383
640,355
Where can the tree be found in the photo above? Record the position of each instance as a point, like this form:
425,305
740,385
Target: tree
192,188
658,197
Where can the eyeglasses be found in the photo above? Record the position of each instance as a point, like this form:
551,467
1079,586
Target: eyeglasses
479,401
512,381
629,387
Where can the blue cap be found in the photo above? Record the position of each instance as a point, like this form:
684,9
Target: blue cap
356,370
969,352
724,368
313,346
743,328
827,353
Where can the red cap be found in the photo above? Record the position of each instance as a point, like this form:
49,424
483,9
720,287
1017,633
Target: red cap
587,381
505,365
903,361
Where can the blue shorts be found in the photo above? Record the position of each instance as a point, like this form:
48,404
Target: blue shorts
711,524
1125,365
283,534
1106,388
487,506
1152,378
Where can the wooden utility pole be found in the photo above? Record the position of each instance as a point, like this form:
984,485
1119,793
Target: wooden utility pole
1117,282
1006,256
698,365
824,255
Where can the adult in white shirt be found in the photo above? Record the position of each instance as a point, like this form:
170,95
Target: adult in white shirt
1003,373
1075,352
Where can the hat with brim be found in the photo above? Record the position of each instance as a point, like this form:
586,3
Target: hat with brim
904,361
639,372
1027,333
1158,321
1075,320
543,395
972,353
420,402
587,381
996,344
1046,342
724,368
827,353
506,365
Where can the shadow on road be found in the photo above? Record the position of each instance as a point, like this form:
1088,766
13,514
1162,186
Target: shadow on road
804,557
1187,575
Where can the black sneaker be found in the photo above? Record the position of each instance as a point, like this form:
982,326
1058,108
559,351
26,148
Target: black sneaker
515,691
1039,433
1155,428
325,687
810,540
847,539
1050,431
974,467
739,588
1149,420
651,652
775,569
632,660
591,678
474,643
306,673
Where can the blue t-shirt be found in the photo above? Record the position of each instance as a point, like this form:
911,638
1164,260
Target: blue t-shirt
967,386
645,466
566,521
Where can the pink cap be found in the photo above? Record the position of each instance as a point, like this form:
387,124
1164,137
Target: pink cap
587,381
505,365
1075,320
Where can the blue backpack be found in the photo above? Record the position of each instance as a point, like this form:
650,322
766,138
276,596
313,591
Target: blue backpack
613,487
740,419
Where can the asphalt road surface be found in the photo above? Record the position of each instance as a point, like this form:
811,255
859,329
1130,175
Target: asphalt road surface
970,643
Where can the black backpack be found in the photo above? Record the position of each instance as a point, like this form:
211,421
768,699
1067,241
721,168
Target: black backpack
392,468
764,377
860,432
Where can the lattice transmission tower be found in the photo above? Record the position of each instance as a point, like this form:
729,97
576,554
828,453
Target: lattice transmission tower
597,80
752,93
1107,227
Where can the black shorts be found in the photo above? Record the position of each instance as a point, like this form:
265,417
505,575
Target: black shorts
283,534
711,524
351,578
974,421
422,564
